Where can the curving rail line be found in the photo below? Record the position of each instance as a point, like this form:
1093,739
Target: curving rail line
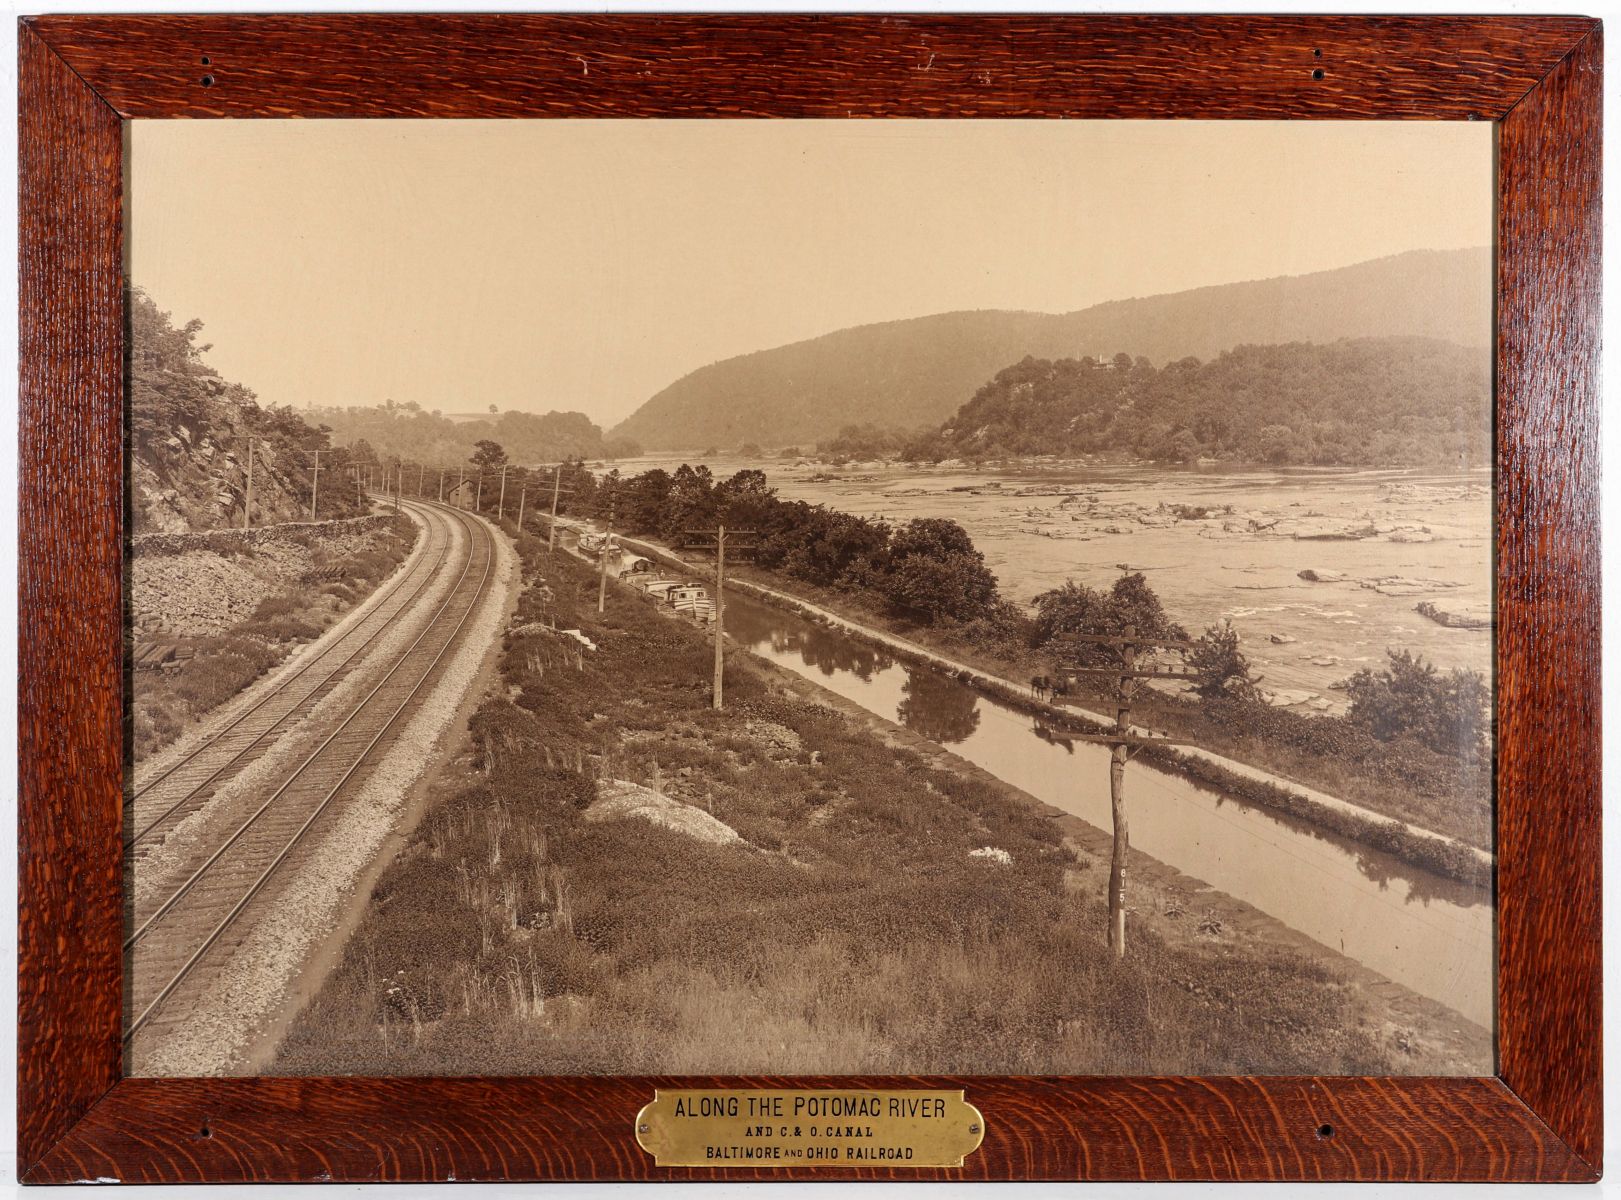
231,873
186,784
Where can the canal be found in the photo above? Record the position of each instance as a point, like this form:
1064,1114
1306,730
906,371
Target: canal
1429,933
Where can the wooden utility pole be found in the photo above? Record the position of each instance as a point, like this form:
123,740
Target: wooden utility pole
718,545
1125,686
421,471
602,568
501,504
557,492
315,484
1122,743
551,532
247,499
478,492
441,485
720,614
523,493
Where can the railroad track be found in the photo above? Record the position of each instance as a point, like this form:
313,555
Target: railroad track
182,934
186,785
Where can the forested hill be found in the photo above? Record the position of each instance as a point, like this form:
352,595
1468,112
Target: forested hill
406,431
1365,401
189,435
917,373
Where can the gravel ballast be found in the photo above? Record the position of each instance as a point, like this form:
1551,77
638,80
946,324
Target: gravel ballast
306,904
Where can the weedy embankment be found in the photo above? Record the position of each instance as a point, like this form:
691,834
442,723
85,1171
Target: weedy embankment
854,929
304,588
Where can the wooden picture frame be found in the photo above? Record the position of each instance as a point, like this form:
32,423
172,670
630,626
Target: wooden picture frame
1538,79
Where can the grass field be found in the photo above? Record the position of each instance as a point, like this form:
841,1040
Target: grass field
853,930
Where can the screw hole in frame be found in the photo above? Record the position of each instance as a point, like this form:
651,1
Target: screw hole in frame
207,62
1325,1132
208,81
1318,73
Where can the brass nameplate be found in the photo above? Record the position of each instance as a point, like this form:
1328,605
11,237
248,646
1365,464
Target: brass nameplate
824,1127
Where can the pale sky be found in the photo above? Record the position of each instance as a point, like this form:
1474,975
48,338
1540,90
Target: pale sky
584,265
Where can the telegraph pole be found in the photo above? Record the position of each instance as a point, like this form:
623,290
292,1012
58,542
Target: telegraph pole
1123,742
478,491
441,485
315,484
720,611
602,571
523,493
557,491
551,533
718,545
1125,686
501,504
422,470
247,500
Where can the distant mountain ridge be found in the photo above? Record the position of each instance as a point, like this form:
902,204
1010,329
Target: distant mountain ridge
918,372
390,430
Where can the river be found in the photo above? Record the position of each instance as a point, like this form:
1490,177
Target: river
1420,536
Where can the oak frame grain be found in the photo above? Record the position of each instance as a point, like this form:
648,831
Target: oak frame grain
79,77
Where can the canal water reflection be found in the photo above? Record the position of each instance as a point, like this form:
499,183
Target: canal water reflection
1429,933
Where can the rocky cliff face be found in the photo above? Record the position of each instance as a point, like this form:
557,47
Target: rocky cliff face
195,476
189,436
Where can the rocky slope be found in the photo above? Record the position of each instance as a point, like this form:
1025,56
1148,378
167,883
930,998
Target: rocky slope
190,431
197,479
195,584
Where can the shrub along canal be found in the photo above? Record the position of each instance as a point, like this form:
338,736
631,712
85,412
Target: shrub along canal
1429,933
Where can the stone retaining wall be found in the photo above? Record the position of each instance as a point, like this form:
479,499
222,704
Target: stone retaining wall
150,544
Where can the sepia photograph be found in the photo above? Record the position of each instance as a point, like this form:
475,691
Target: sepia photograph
983,597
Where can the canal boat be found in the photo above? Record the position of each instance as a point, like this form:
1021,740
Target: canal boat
691,599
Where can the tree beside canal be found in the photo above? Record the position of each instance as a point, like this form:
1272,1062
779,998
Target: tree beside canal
929,568
928,580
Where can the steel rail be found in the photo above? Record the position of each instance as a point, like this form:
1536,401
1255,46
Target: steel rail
354,711
258,884
236,722
375,603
